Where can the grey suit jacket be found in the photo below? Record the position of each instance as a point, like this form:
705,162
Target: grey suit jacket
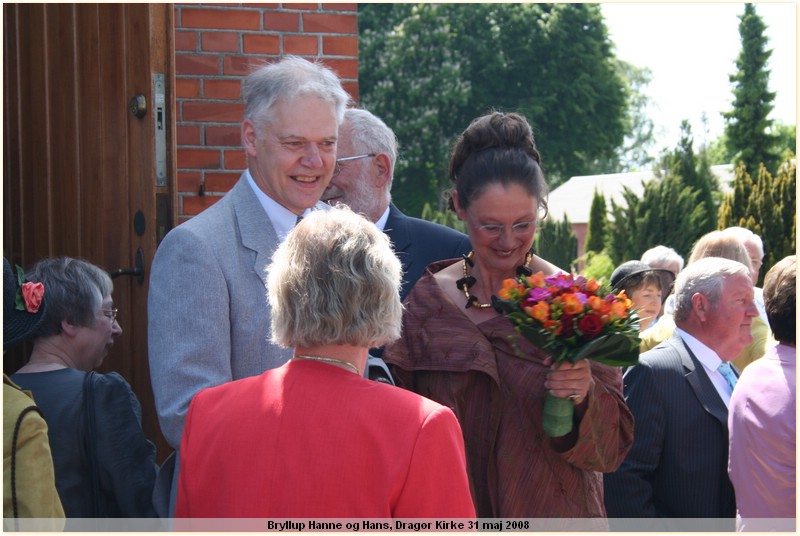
208,316
677,467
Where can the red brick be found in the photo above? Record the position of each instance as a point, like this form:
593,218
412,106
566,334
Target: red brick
197,64
223,136
327,23
187,88
339,46
264,6
212,112
219,41
186,41
340,7
235,160
222,89
242,66
198,159
306,7
343,68
261,44
352,90
221,182
221,19
194,204
189,181
305,45
282,22
188,135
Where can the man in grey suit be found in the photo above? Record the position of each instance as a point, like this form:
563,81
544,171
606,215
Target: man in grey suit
208,317
366,157
679,396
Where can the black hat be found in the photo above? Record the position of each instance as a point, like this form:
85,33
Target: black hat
18,323
628,270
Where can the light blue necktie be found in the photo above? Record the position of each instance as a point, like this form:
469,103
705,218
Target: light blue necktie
727,372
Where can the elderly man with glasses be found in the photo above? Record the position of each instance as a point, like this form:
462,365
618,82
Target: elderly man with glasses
362,180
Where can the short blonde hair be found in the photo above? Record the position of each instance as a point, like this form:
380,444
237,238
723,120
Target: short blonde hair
720,244
335,280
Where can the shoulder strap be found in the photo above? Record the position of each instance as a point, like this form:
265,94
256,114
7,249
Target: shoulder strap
14,440
90,439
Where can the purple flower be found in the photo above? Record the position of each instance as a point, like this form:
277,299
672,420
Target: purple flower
539,294
583,298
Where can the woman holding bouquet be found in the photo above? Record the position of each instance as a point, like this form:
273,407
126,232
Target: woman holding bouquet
459,351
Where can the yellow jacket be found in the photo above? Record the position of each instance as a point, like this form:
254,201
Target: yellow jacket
35,480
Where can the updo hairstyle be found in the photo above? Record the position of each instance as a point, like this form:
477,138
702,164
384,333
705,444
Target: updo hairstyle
496,148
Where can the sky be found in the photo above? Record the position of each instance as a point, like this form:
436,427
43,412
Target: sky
691,49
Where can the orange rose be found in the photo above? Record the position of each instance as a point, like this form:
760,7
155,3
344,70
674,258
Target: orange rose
32,294
540,311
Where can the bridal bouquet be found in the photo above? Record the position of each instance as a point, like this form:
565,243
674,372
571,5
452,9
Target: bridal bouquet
571,318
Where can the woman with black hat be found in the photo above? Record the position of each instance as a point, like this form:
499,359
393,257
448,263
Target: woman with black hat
105,466
646,287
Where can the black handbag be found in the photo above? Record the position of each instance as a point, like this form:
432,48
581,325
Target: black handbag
90,440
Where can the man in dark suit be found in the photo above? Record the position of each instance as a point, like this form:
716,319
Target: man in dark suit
679,397
366,155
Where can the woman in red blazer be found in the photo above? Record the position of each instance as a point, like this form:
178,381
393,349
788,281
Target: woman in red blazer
313,438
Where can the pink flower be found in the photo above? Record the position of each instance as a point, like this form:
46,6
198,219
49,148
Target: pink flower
32,294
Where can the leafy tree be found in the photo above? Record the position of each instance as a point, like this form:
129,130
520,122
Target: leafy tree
598,266
596,229
634,154
429,69
556,242
747,124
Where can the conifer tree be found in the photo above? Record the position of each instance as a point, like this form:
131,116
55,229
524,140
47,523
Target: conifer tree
596,229
556,242
748,125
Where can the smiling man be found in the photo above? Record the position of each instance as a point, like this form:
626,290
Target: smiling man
679,395
208,317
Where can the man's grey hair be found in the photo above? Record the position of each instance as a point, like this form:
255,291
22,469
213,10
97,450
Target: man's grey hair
704,276
370,134
335,280
75,290
290,77
661,256
746,236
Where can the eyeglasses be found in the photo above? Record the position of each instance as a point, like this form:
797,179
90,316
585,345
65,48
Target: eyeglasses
495,229
111,314
338,168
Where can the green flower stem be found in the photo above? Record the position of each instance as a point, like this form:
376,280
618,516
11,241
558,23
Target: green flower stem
557,416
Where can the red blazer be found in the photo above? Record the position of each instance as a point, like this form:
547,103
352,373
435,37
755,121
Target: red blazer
311,440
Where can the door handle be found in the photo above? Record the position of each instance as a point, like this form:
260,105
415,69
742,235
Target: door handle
137,270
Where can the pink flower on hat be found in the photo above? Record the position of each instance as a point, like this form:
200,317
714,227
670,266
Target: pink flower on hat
32,294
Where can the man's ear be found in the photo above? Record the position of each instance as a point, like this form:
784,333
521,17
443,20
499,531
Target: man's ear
249,137
700,306
383,167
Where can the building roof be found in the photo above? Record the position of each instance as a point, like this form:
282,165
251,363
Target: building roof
574,197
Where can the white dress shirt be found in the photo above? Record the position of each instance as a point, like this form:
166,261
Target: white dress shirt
710,361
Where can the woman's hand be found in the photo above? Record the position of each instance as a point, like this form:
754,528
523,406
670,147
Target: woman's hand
569,380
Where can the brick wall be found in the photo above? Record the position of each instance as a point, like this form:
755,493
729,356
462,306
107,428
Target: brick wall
216,46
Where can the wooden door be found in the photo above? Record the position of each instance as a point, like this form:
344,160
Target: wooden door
79,166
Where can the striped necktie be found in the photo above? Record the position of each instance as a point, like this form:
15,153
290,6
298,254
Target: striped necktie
727,373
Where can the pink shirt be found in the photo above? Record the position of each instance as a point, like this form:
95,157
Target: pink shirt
761,422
